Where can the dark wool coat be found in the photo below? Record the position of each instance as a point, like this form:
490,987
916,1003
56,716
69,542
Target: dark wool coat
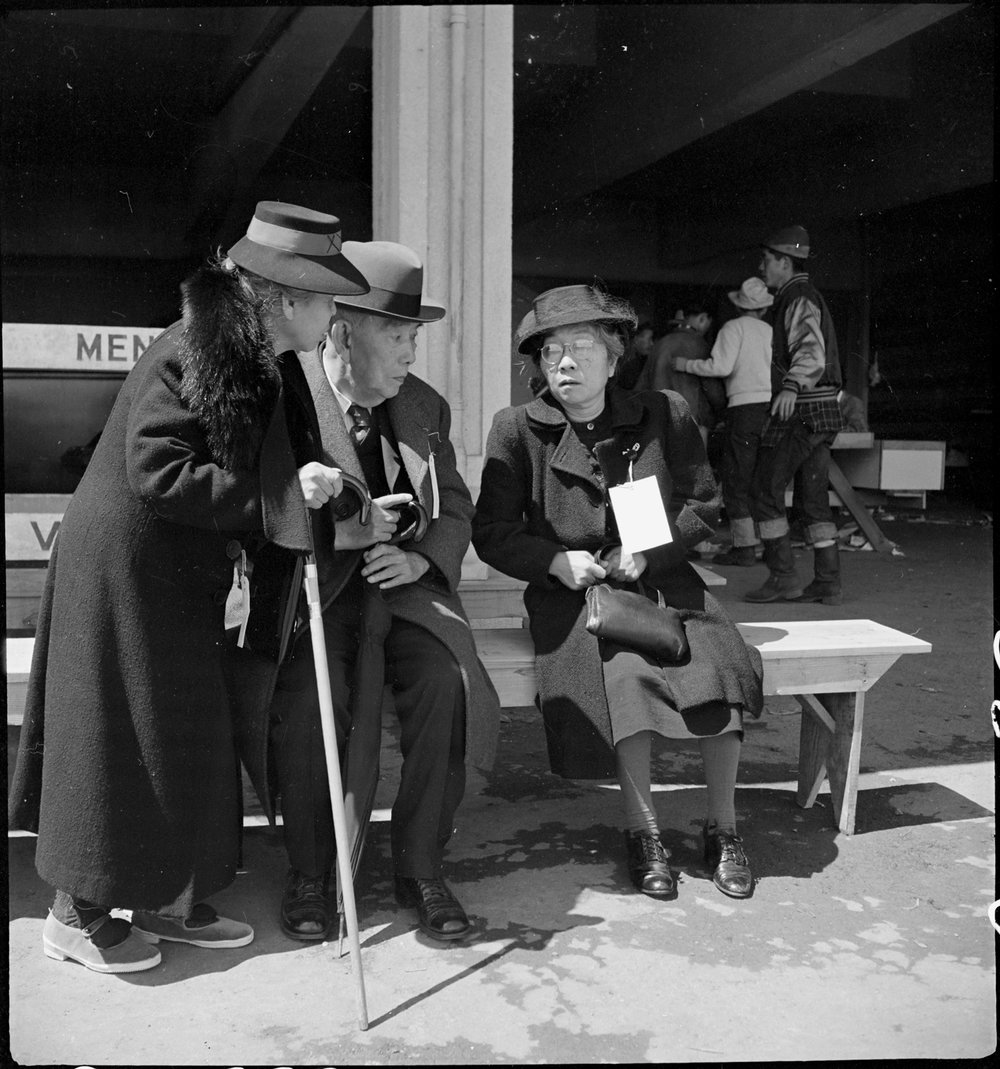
543,492
127,766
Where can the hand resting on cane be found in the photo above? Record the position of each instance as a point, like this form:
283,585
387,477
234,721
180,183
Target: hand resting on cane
319,483
381,526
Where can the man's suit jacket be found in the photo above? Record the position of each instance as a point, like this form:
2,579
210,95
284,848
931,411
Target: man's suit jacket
421,420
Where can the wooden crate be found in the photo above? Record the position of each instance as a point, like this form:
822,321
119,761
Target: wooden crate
895,466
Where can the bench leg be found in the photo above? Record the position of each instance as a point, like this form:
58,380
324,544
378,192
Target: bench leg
844,757
815,730
830,747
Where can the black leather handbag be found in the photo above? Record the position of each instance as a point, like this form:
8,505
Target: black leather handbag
632,620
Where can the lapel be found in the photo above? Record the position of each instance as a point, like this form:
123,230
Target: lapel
570,456
628,416
413,424
338,449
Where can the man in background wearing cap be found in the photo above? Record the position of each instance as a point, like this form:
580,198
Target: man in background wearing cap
390,429
804,419
741,357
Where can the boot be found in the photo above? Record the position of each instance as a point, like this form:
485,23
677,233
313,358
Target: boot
782,584
742,556
826,586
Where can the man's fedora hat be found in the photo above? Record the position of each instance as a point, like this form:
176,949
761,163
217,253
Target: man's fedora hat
791,241
396,276
571,304
297,247
752,294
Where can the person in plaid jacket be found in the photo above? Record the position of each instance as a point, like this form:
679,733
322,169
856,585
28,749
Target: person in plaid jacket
804,419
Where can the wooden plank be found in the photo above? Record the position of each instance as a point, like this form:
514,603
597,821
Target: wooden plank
845,492
793,638
844,756
824,675
813,707
853,440
814,740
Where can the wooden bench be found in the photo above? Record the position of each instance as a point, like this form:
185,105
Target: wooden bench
828,665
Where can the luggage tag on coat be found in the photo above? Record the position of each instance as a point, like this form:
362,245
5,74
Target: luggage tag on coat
432,438
238,601
639,512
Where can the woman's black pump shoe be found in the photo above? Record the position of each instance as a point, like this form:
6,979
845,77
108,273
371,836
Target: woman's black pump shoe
647,864
724,854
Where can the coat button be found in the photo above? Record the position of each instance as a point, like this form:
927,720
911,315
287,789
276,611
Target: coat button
233,549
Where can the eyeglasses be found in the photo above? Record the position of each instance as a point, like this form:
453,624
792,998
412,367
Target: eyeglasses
580,350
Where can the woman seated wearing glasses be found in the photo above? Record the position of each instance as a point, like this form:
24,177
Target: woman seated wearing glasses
544,516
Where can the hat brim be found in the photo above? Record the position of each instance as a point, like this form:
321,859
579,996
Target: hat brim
734,296
335,275
799,254
429,313
529,330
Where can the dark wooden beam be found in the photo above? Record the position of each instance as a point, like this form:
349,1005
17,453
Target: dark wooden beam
287,68
643,112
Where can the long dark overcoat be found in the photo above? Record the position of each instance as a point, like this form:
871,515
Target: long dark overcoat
128,762
544,492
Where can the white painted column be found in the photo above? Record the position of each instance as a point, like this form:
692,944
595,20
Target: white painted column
442,151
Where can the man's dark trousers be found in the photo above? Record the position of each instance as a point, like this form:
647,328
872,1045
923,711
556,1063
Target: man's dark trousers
429,698
739,457
799,449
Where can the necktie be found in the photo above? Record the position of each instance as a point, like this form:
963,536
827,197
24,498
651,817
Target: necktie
362,418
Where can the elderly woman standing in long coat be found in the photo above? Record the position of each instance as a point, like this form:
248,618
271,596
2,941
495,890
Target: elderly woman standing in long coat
543,516
128,766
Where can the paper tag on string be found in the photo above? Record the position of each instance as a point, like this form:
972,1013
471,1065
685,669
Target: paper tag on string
238,600
435,497
640,515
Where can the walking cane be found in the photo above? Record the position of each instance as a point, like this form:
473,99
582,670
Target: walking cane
310,583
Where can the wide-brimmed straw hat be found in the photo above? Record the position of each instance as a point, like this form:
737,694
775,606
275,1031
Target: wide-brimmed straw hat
297,247
790,241
571,304
751,294
396,277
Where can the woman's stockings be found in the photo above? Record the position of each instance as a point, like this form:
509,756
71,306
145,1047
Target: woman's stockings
720,755
632,760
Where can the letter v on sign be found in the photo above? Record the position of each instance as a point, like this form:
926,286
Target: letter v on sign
45,542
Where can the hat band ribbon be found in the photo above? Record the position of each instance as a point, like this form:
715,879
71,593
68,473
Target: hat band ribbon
401,304
288,240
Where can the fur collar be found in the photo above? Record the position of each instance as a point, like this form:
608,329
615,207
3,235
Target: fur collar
230,377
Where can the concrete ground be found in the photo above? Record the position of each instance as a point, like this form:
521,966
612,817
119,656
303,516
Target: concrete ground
873,946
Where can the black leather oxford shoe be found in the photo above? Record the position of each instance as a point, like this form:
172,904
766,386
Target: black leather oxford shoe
647,864
724,854
438,910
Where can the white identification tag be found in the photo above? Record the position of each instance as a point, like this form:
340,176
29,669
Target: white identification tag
433,438
238,601
639,513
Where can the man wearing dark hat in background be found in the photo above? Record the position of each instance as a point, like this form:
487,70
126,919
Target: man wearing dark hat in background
387,427
804,419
